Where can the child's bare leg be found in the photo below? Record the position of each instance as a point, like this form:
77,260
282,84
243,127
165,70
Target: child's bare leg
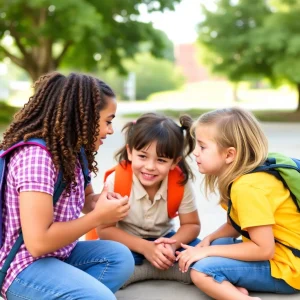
219,291
242,290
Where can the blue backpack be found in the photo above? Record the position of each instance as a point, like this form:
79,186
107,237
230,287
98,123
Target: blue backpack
285,169
58,189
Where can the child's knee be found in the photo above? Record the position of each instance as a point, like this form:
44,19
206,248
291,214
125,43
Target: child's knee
197,277
125,259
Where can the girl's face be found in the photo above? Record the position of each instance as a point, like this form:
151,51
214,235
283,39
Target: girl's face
106,116
210,159
149,168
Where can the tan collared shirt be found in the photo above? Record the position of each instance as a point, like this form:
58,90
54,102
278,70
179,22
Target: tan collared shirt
150,219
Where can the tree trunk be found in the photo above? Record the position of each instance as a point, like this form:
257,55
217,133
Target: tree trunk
298,90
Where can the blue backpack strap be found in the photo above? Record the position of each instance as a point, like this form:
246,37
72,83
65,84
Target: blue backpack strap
85,168
58,189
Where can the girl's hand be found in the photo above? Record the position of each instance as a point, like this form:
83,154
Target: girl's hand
190,255
111,207
157,255
205,242
170,245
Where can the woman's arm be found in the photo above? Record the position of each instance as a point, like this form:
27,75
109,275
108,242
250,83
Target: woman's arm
42,235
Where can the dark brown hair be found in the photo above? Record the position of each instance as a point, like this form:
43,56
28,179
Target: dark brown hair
65,112
171,140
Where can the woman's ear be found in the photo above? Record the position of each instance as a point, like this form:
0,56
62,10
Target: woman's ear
175,163
129,153
230,155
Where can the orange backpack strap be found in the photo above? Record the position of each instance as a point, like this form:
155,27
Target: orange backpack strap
122,185
123,178
175,191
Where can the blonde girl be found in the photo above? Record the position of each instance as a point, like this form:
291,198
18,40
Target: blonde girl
230,144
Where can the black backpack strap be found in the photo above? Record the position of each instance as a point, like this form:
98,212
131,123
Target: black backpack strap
244,233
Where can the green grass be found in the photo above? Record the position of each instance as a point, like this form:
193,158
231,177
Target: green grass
264,116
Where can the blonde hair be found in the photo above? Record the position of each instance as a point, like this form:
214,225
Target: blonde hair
236,128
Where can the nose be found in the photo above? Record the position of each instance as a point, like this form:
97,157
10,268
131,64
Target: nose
150,165
196,152
110,130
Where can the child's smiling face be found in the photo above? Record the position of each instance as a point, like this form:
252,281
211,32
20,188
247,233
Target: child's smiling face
149,168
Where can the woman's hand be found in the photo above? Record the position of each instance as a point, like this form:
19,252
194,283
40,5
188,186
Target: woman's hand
190,255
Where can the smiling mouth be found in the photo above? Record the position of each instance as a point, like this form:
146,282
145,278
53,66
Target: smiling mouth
148,176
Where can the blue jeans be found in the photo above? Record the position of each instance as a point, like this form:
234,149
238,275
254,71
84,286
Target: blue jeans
138,258
94,270
252,275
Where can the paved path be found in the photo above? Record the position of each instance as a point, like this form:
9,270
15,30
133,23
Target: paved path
282,138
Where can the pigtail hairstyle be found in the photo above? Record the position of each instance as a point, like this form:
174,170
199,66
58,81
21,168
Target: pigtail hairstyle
65,112
186,123
234,127
170,138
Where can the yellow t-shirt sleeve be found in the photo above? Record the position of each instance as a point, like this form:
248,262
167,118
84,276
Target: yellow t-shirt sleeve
251,206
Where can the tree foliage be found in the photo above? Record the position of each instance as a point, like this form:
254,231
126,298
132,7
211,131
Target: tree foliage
51,33
248,39
152,75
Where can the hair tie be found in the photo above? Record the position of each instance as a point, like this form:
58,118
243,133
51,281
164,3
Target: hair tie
134,122
183,127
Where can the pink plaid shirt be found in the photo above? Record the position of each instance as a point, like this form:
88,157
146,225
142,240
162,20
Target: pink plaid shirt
31,169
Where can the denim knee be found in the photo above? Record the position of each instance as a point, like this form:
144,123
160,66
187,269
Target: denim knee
125,260
208,266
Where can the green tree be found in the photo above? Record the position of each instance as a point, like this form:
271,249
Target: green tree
78,33
152,75
247,39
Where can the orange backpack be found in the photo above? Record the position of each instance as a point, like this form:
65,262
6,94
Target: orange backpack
123,183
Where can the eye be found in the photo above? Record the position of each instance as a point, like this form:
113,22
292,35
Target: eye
108,122
161,160
142,156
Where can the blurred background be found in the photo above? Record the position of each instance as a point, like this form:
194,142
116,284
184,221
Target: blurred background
170,55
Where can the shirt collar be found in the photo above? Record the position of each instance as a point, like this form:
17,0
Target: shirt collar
140,192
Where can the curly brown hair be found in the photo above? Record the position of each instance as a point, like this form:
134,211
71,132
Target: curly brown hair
65,112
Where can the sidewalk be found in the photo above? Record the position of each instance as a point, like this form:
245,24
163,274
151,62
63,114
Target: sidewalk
170,290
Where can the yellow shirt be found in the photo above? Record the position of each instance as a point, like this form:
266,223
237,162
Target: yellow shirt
261,199
149,219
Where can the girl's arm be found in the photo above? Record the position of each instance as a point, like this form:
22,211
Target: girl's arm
261,247
42,235
155,254
189,230
90,199
114,233
226,230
